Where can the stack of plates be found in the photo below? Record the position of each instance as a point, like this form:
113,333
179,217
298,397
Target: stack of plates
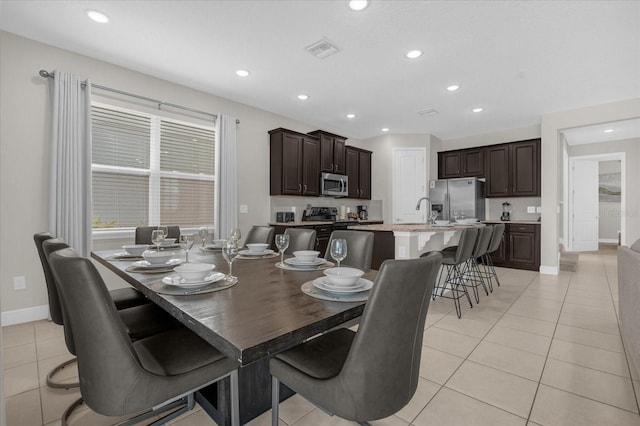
176,280
323,283
293,261
143,264
255,253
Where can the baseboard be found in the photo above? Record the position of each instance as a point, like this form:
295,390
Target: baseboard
549,270
608,240
20,316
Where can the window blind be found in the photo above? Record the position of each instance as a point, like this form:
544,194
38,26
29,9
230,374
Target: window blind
120,138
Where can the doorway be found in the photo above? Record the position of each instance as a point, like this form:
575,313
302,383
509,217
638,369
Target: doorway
409,185
596,200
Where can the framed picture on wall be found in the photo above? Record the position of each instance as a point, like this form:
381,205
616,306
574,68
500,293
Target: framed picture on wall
609,187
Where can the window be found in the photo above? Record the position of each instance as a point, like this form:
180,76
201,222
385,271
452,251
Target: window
149,170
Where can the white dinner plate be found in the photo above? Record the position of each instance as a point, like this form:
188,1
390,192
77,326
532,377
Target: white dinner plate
323,283
175,280
143,264
295,262
254,253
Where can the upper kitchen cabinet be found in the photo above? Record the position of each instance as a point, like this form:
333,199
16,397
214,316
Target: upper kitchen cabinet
513,169
461,163
358,169
295,163
332,152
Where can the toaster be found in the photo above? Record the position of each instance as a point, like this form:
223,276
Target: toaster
285,217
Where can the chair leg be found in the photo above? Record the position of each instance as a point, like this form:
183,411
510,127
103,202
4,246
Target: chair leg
235,399
59,385
67,413
275,400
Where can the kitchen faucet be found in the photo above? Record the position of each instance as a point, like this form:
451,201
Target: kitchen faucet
429,204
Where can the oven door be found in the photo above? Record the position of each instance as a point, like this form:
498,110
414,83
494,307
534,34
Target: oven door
334,185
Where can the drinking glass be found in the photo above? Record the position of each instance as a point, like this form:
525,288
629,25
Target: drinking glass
186,242
282,243
433,214
203,232
229,252
157,237
235,236
339,250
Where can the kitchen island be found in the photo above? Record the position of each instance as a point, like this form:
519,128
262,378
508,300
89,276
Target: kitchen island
409,241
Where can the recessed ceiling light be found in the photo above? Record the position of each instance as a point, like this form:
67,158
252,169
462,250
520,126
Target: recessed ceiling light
453,88
358,4
96,16
608,130
351,116
303,97
477,110
413,54
242,73
385,129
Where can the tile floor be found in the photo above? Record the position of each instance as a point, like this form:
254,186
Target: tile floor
540,350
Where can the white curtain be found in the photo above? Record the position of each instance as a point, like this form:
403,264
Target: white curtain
70,180
227,206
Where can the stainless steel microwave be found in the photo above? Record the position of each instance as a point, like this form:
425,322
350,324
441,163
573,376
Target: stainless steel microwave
333,185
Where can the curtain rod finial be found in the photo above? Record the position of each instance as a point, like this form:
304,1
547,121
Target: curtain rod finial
45,74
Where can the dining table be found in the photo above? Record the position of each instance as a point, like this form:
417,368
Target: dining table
250,320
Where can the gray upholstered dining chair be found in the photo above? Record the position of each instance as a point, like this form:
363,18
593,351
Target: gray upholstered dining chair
260,235
455,262
123,298
359,248
143,233
496,240
300,239
121,377
372,373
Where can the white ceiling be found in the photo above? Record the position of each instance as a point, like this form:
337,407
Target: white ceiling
618,130
516,59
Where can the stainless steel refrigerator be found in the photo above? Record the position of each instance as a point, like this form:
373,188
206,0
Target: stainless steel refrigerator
464,195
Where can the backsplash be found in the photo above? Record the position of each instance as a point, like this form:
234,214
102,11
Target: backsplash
518,208
298,204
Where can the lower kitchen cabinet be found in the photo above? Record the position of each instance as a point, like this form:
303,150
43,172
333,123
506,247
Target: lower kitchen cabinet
323,234
520,247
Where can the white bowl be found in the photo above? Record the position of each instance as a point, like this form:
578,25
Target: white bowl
168,242
157,257
194,271
343,276
442,222
257,248
217,243
135,249
306,255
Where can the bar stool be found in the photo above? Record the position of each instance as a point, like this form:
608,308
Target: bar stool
475,275
489,270
455,264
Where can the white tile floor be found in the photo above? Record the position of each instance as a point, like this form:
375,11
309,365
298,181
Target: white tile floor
540,350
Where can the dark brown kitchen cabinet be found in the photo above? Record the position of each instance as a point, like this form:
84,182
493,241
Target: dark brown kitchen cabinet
520,247
332,152
295,163
461,163
513,169
358,169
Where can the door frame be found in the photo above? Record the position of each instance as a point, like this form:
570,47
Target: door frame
571,182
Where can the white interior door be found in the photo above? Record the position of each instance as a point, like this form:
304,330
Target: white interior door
585,205
409,184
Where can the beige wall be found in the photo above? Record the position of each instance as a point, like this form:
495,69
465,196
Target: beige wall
24,154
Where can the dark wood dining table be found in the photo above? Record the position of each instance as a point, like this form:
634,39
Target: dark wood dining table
265,313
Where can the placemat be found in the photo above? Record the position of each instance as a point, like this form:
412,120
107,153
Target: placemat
310,290
124,257
287,267
162,288
139,270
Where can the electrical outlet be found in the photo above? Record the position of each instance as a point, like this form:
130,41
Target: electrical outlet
531,209
244,208
19,283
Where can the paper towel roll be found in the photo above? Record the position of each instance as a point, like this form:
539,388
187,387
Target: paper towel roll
342,212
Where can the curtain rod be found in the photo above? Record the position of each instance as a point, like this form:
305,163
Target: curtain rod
47,74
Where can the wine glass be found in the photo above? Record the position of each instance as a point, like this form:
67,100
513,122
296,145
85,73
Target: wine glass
235,236
229,252
203,232
455,215
157,237
282,243
339,249
186,242
433,214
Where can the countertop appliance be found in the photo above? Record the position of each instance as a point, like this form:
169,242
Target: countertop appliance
363,214
464,196
285,217
328,214
506,212
333,185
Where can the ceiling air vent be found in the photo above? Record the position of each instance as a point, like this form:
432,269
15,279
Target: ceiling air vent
321,49
428,112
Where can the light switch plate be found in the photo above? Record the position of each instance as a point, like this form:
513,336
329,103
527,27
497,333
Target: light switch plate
538,209
244,208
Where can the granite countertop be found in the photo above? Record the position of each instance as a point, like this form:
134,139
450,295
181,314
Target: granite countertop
321,222
517,222
412,227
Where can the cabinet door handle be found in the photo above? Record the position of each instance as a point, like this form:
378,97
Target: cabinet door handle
305,188
333,167
299,187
